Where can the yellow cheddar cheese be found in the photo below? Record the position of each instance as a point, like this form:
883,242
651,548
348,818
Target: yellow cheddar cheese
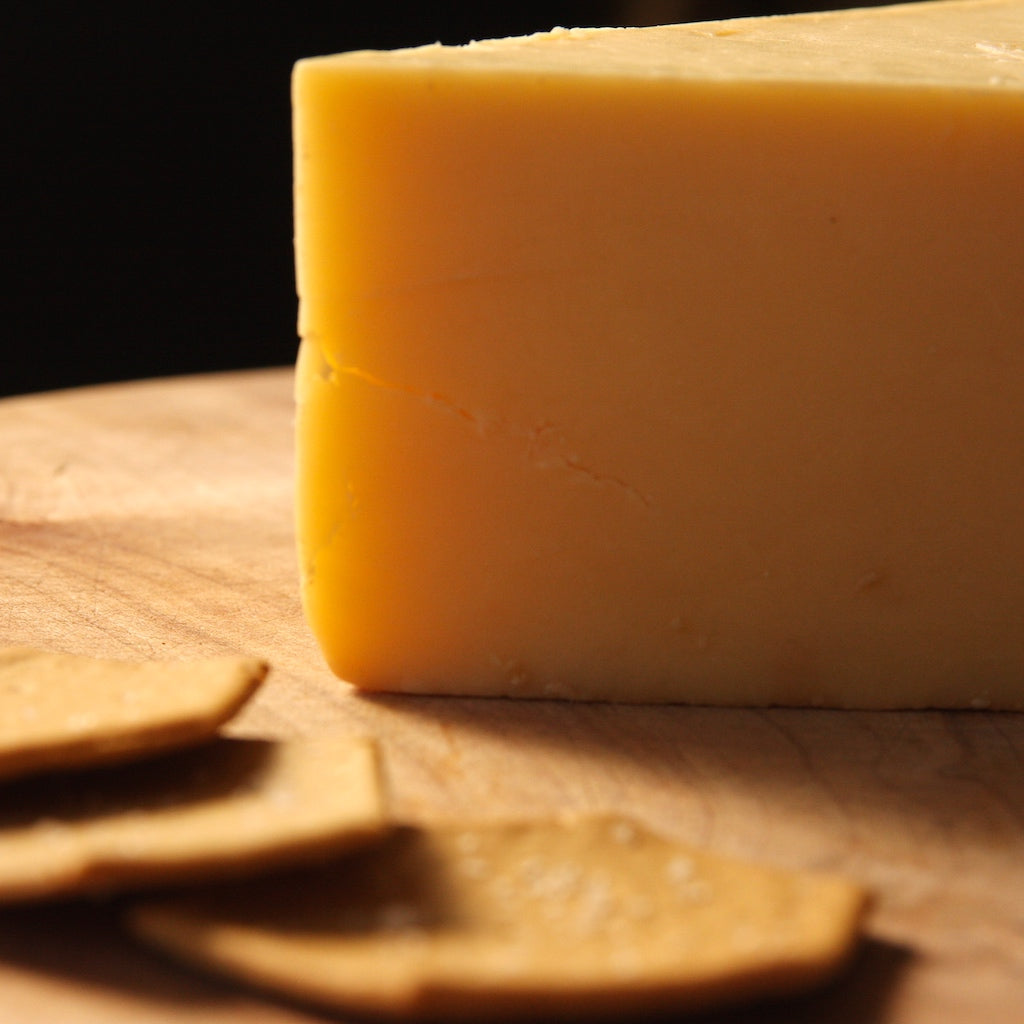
669,364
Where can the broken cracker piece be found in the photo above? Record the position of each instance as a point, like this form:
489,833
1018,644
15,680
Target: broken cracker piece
592,917
229,806
65,710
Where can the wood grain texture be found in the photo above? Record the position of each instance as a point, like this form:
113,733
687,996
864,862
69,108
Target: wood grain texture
154,519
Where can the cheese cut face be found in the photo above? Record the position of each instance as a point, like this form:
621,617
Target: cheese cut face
670,364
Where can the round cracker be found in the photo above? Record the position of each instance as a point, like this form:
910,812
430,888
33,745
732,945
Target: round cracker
516,920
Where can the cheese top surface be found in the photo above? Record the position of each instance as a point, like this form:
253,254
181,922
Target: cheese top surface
977,43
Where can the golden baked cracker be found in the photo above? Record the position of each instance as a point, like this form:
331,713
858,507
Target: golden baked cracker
510,920
64,710
229,806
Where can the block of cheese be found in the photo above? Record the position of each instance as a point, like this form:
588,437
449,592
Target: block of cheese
672,364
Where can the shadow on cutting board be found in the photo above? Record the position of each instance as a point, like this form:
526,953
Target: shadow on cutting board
78,951
896,781
861,995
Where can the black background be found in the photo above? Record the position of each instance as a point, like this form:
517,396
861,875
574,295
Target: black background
146,178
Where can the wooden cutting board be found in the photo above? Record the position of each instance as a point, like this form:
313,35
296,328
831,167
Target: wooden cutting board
153,519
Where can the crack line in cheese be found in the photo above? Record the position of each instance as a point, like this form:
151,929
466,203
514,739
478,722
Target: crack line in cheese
540,450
